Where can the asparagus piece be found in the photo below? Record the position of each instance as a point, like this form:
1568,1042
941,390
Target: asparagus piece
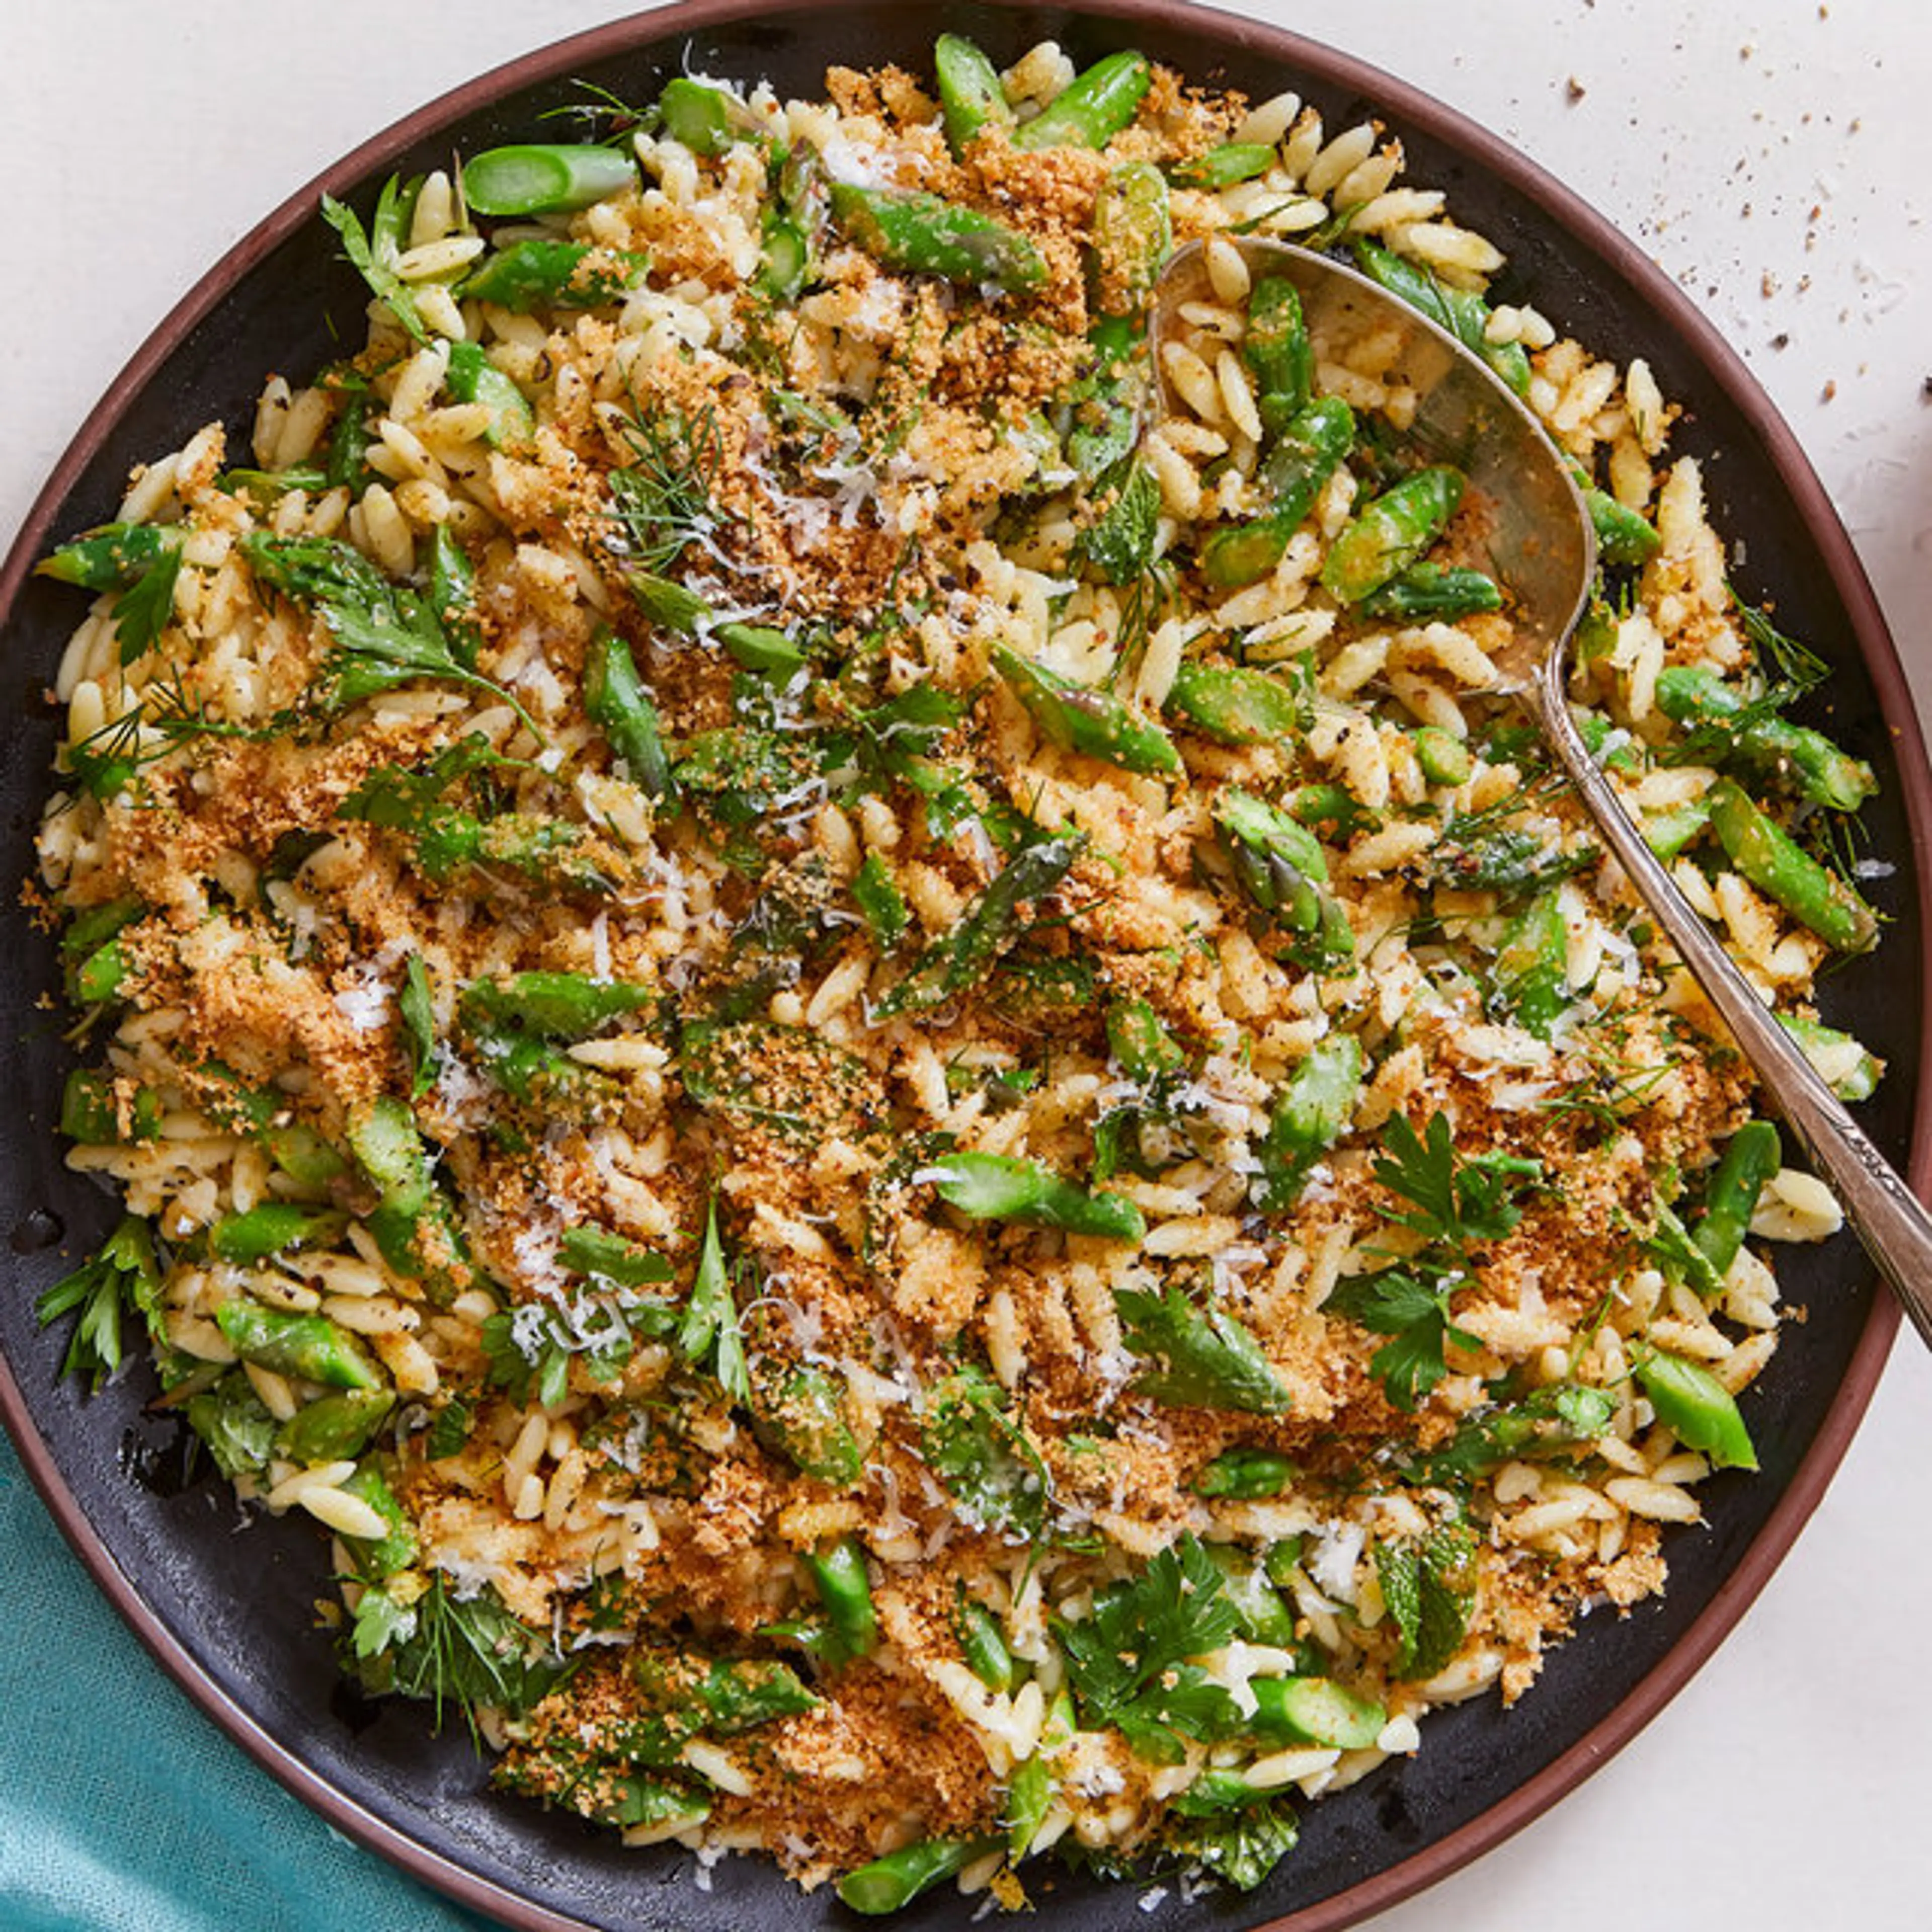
270,1228
1697,1407
1441,591
987,930
1311,1115
895,1880
1277,349
971,97
758,647
99,978
1105,418
615,696
879,898
705,119
1234,706
1623,535
1314,1711
1078,718
922,234
1667,833
998,1187
1212,1361
1845,1066
1244,1475
1264,1617
785,258
806,1419
1754,1155
554,1005
1384,539
839,1576
1531,976
1280,864
983,1642
335,1428
1092,108
410,1223
474,378
309,1346
1223,167
542,178
113,556
535,274
1781,869
1312,443
1461,312
1138,1038
1803,761
90,1111
1133,231
1444,757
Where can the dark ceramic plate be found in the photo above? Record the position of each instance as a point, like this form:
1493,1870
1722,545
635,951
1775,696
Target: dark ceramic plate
230,1616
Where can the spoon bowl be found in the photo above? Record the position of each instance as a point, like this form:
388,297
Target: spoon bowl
1541,548
1542,552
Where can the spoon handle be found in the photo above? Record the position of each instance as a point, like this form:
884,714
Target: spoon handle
1895,1228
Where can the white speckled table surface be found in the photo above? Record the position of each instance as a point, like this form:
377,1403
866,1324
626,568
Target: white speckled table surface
1776,159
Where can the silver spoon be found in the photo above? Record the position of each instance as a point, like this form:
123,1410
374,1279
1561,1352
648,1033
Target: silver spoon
1543,550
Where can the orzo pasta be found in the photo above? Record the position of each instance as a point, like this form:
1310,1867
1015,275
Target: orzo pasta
881,1069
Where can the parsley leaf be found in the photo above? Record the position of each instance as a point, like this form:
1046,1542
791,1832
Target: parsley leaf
1184,1703
381,1624
385,635
1422,1172
449,1430
376,251
1142,1629
124,1275
468,1651
1412,1307
1453,1201
606,1256
508,1366
144,610
530,1348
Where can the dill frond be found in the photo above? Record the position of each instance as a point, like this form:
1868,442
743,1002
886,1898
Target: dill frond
663,501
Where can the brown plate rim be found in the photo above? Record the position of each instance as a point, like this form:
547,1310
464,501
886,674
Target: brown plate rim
1225,33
